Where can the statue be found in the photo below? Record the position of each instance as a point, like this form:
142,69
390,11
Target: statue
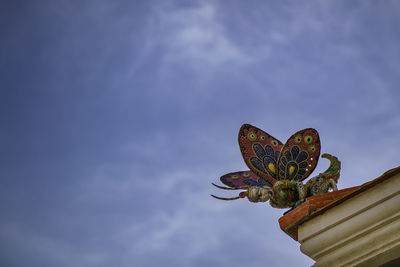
277,170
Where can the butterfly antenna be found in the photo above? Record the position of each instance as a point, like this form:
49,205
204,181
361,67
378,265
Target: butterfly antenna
226,198
230,188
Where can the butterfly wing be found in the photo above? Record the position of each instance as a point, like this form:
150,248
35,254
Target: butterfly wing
260,151
299,155
244,178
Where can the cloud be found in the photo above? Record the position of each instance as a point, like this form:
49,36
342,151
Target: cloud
195,36
41,249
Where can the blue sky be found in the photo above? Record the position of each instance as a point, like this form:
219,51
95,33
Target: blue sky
117,115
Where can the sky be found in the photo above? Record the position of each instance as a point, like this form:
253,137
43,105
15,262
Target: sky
116,116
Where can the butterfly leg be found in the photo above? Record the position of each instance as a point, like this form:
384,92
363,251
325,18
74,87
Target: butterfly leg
301,189
332,184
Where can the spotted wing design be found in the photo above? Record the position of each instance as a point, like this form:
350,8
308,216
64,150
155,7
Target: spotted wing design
244,178
260,151
299,155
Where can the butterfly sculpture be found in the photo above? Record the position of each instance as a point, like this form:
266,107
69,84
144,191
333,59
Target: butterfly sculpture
277,170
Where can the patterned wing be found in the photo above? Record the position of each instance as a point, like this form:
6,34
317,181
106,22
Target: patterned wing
244,178
299,155
260,151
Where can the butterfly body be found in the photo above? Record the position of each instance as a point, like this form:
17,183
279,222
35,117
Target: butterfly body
277,170
285,193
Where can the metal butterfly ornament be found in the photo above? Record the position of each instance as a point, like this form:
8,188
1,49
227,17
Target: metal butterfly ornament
277,170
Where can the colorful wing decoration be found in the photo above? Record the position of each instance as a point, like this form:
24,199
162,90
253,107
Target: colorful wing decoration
260,151
269,161
299,155
244,179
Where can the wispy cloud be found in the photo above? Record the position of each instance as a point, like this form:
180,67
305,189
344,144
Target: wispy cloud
195,36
